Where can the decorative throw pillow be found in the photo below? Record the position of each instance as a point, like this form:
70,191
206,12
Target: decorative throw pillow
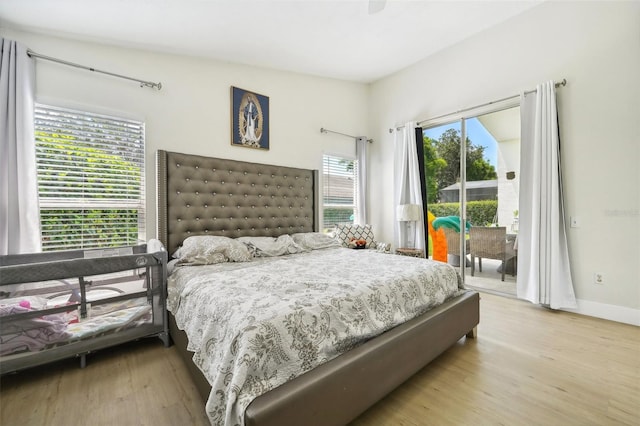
346,233
315,240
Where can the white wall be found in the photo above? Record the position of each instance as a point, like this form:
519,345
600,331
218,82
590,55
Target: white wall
191,113
596,47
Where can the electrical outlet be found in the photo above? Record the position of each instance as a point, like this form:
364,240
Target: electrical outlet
574,221
598,278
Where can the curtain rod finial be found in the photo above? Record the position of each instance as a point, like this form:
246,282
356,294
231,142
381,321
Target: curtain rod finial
561,83
151,85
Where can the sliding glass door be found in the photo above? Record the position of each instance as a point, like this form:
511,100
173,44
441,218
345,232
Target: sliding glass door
475,184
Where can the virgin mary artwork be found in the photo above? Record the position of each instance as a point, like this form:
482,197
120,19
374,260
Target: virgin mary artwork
250,119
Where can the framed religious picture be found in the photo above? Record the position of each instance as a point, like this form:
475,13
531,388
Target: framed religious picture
249,119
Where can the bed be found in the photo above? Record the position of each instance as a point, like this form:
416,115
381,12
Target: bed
203,196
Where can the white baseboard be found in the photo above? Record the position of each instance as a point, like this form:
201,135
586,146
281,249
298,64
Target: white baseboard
608,312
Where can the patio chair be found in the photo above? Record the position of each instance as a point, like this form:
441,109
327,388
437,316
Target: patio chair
489,243
453,245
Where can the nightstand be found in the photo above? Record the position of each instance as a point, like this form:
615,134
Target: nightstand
411,252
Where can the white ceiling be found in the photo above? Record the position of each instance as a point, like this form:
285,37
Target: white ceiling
337,39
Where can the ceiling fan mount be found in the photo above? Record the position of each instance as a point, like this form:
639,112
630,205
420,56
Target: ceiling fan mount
376,6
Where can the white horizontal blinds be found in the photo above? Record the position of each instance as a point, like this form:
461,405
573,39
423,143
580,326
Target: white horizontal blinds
90,179
339,190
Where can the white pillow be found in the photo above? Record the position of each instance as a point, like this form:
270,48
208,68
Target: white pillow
315,240
270,246
207,250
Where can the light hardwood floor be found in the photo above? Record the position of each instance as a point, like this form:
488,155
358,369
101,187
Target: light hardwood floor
528,366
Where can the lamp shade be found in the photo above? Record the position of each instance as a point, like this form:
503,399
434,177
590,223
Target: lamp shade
409,212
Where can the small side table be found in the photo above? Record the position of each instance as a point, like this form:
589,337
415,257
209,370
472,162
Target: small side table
411,252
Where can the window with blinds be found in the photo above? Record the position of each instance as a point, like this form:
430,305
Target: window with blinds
338,190
90,179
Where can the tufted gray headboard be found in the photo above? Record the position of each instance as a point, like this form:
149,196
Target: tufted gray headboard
211,196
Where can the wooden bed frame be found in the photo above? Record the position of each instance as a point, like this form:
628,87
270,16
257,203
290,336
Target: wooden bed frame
209,196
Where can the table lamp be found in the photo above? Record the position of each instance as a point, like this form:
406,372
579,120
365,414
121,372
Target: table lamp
409,213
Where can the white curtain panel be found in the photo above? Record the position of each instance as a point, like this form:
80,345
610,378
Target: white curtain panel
544,274
362,217
19,211
407,187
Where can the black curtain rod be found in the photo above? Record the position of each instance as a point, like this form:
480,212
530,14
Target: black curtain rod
143,83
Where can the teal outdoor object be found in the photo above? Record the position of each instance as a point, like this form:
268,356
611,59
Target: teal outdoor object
451,222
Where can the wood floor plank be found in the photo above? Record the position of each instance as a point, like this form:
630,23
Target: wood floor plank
528,365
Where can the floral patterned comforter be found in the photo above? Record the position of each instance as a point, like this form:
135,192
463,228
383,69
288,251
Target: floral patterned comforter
255,325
